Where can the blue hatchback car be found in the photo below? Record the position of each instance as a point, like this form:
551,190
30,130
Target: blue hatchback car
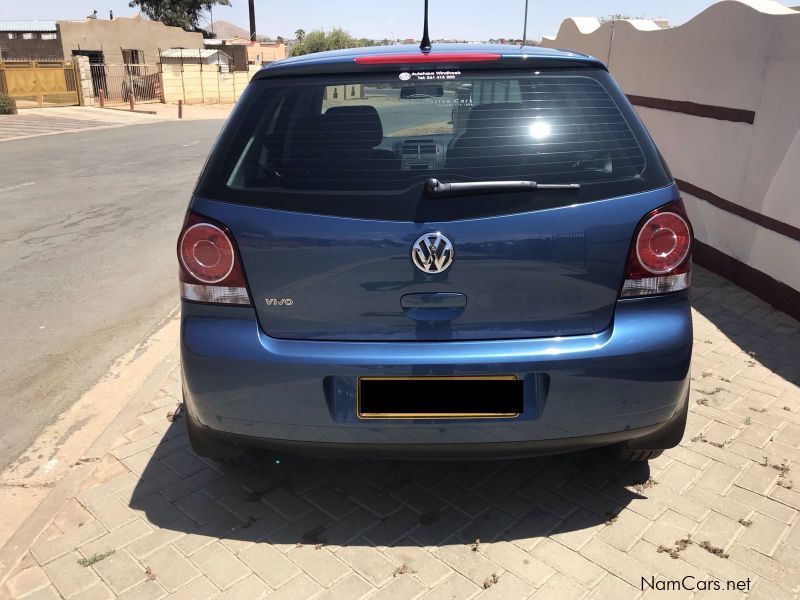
475,251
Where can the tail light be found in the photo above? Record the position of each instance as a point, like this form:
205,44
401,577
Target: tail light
210,267
660,260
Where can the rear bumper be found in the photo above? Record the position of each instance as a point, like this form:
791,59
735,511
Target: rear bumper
622,384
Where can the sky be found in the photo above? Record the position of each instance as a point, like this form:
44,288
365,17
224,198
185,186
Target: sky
378,19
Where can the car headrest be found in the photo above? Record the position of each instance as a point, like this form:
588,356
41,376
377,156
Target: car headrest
488,119
353,126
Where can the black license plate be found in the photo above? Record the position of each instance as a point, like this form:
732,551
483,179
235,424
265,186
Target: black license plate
439,397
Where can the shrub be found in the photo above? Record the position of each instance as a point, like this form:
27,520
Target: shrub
8,106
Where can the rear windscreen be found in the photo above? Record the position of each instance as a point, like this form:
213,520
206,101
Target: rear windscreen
364,145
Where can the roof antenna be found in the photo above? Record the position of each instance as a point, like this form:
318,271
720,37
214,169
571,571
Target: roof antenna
525,28
425,44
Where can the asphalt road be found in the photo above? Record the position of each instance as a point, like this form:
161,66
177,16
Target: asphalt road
88,231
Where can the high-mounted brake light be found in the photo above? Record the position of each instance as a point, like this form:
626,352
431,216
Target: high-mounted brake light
210,269
660,260
429,57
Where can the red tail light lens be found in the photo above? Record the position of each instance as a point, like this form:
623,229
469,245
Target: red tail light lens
210,266
663,242
660,259
207,253
431,57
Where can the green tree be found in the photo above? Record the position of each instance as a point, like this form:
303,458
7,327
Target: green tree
319,41
178,13
300,35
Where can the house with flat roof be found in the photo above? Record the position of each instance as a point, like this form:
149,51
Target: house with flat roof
128,40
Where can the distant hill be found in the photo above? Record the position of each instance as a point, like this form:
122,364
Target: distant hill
223,30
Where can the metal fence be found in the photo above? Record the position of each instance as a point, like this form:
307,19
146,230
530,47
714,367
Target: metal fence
118,82
39,83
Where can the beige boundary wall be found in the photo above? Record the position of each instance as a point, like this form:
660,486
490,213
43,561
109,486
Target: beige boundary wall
203,84
731,133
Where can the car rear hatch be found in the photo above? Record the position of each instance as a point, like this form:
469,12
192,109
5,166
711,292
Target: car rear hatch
323,185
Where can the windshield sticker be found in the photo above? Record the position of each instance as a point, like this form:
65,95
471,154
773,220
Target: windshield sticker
434,75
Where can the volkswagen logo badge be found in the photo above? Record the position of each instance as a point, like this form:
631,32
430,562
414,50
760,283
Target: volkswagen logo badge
432,253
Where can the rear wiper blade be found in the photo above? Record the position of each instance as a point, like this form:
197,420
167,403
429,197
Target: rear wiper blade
434,187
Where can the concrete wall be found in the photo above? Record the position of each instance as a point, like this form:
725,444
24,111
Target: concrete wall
133,33
203,84
734,55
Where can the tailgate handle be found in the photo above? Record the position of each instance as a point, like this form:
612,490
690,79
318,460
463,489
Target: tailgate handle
434,300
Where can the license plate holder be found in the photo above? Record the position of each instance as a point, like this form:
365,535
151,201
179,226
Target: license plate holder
433,397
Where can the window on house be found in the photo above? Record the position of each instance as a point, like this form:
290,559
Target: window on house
132,57
48,36
28,35
12,36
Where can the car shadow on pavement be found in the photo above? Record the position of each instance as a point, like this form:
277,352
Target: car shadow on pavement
765,336
297,501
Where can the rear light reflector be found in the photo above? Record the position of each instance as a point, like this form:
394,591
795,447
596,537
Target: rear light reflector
210,268
430,57
660,259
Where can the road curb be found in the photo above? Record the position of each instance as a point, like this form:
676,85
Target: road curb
26,535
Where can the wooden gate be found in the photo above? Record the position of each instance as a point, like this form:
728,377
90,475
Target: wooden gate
39,83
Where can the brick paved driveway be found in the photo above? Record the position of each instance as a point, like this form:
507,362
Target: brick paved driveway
721,506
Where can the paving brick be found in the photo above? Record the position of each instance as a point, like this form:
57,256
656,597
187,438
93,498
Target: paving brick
183,462
368,562
120,571
119,538
172,569
151,542
111,512
546,499
379,502
719,530
48,593
200,589
402,587
219,565
495,495
68,576
678,476
618,563
569,562
718,478
762,504
757,479
560,587
223,527
488,527
532,529
669,527
328,500
349,588
200,507
99,591
613,587
250,588
269,564
149,590
426,567
46,550
777,572
319,563
437,528
131,448
301,586
517,561
393,528
766,590
454,587
184,487
624,530
28,581
472,564
763,535
576,530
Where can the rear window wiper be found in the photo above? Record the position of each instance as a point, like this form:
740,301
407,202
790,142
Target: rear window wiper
434,187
